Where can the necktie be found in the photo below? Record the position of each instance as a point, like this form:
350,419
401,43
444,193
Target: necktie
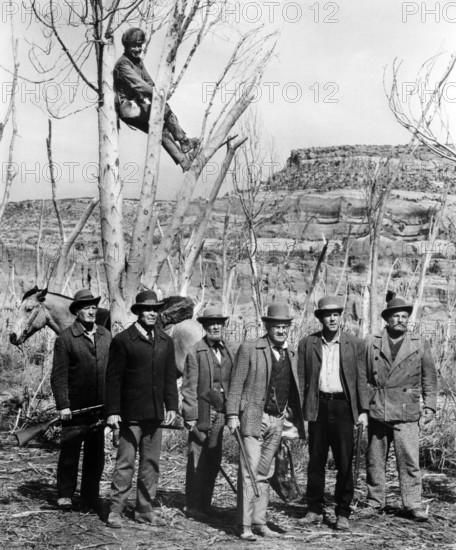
281,351
150,336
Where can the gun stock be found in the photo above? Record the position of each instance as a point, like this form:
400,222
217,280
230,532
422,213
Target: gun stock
24,436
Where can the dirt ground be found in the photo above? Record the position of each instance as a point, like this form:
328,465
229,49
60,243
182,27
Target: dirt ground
29,519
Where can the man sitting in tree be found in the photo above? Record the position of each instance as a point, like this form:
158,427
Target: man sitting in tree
134,88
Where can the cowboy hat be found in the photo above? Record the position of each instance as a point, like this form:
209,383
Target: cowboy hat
83,298
327,304
278,311
146,298
212,313
394,305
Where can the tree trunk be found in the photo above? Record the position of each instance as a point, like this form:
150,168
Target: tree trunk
144,213
110,188
188,186
196,241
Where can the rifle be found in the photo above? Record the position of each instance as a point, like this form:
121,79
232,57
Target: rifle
26,435
359,437
214,398
75,431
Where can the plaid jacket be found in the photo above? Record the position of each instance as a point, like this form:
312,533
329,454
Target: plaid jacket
249,384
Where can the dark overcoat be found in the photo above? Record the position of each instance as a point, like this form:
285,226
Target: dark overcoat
398,385
249,384
141,376
79,368
198,378
352,373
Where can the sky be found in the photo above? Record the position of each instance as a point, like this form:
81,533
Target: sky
323,87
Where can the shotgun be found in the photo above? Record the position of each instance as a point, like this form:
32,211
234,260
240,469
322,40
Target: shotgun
26,435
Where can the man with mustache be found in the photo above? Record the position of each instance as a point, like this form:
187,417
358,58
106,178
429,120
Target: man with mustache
400,369
335,398
207,367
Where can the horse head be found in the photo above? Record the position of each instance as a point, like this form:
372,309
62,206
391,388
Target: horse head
32,316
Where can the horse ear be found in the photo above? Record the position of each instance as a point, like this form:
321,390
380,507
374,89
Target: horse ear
42,295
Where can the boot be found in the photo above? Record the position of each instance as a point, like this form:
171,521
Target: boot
174,152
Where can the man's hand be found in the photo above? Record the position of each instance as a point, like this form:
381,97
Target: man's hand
363,419
65,414
113,421
427,416
189,424
170,417
233,423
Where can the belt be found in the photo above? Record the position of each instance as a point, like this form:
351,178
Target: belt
330,396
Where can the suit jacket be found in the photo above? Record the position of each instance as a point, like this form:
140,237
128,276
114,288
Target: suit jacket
397,385
249,385
79,368
352,370
198,377
141,376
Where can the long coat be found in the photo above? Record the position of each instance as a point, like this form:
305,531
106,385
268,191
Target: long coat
397,385
352,370
79,367
198,378
249,385
141,376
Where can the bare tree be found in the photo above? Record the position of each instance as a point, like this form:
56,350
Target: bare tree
196,241
248,181
99,20
11,172
424,115
66,241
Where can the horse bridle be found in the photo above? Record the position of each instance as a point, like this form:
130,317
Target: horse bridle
49,322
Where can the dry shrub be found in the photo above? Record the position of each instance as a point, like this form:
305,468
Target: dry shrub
438,442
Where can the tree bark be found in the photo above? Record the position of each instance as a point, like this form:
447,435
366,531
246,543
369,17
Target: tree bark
196,241
110,187
188,186
142,225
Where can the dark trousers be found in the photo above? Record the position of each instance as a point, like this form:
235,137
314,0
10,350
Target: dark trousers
92,464
171,124
332,429
146,439
203,465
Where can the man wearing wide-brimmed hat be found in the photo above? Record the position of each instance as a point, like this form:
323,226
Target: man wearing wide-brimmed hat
400,370
77,381
264,390
140,384
335,399
207,367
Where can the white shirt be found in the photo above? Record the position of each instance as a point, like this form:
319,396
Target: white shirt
330,366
